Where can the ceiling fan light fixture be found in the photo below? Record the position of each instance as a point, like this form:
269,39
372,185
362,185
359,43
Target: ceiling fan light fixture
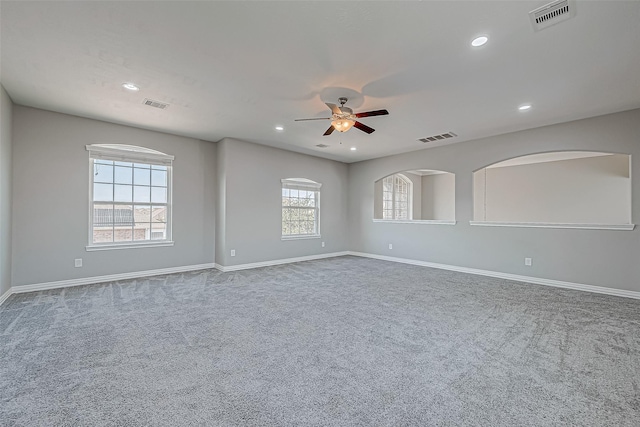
342,125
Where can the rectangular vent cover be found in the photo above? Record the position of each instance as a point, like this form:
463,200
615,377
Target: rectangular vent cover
438,137
552,13
322,145
155,104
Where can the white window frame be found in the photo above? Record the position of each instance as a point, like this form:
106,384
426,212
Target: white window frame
133,154
307,185
409,184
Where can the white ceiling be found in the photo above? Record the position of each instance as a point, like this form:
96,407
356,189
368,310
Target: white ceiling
238,69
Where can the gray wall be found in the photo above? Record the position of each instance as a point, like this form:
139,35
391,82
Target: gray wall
439,196
6,118
592,190
252,218
598,257
51,199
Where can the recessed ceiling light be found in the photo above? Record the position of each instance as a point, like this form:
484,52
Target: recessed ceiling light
279,128
130,86
353,148
524,107
479,41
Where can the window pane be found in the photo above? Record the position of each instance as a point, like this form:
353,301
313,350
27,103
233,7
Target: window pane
123,223
286,214
141,176
102,216
102,223
141,213
141,194
295,228
285,192
158,214
123,216
122,234
142,166
142,231
102,173
158,231
307,214
102,192
158,195
123,175
103,235
123,164
160,168
123,193
103,162
159,178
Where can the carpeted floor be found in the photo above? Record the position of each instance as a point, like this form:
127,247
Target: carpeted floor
336,342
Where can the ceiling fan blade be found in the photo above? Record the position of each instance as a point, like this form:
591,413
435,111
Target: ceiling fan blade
373,113
329,131
334,108
319,118
363,127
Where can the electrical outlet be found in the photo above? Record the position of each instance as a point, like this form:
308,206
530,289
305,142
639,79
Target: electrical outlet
390,246
323,244
527,262
78,262
233,252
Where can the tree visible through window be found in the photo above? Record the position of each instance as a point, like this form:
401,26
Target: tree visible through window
396,197
130,195
300,208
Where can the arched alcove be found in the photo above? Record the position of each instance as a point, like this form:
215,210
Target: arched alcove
419,195
555,189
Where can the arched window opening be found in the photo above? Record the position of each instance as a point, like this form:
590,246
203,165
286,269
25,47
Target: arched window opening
419,195
571,187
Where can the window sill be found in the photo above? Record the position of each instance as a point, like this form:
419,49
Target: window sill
301,237
554,225
109,247
417,221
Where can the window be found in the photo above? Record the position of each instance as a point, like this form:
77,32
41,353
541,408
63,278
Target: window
300,208
396,200
130,197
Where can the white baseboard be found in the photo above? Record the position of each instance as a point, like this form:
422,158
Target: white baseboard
109,278
508,276
147,273
4,296
278,261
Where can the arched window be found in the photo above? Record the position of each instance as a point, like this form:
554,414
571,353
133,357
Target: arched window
300,208
130,197
396,197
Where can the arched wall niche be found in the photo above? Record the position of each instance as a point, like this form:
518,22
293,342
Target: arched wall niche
417,195
572,189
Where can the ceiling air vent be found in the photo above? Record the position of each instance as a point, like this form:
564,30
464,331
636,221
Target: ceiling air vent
322,146
155,104
552,13
438,137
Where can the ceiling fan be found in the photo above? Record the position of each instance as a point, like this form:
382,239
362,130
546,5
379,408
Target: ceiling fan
344,119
